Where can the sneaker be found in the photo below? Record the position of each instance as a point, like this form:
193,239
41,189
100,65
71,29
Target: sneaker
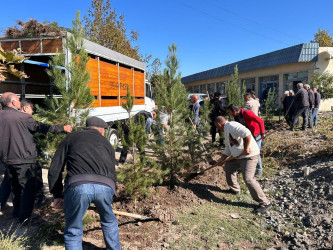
230,191
263,208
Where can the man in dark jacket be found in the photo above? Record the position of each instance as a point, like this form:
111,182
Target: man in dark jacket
302,105
311,104
217,110
18,152
91,178
317,98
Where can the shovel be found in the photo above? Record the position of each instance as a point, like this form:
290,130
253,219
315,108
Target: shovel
230,158
136,216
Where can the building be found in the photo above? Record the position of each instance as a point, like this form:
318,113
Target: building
281,69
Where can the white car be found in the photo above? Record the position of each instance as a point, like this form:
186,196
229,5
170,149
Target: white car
200,95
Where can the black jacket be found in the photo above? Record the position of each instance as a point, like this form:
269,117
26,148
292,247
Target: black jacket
317,100
90,158
301,98
311,98
17,144
217,110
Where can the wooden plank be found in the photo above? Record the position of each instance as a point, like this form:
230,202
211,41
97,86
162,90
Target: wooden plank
52,45
126,79
9,46
109,103
139,101
30,47
139,84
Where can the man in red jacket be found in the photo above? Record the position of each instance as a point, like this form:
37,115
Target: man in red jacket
254,123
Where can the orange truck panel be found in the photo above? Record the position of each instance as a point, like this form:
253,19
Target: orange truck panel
108,83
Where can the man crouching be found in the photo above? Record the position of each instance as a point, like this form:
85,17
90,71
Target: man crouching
239,142
91,178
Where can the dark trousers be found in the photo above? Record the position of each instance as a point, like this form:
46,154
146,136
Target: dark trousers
300,111
5,188
213,134
310,121
23,183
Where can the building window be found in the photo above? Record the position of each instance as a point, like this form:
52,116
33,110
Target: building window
211,88
220,87
291,80
269,82
250,84
203,89
196,89
190,89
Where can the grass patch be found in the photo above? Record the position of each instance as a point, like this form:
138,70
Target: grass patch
11,241
207,225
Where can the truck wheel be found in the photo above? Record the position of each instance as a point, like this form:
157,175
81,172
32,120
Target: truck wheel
113,137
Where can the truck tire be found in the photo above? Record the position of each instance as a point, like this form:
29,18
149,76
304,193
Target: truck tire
113,137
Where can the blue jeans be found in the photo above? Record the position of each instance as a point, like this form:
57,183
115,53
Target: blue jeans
259,164
314,116
76,202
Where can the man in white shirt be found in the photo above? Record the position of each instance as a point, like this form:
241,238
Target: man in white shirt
239,141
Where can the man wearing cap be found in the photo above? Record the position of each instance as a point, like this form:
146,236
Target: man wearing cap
91,178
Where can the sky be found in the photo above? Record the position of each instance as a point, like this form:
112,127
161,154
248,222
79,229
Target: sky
208,34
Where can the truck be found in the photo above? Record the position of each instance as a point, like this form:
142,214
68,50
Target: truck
111,73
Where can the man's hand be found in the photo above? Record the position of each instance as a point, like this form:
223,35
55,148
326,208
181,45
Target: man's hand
221,160
58,203
68,128
263,136
194,126
246,151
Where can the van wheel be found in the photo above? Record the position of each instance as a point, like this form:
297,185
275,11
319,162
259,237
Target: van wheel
113,137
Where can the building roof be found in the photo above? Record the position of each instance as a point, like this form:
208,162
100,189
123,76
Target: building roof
305,52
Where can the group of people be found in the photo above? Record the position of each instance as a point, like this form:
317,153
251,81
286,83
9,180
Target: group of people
90,158
90,165
243,139
305,103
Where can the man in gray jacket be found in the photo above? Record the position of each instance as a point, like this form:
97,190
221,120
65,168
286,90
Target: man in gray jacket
302,105
311,104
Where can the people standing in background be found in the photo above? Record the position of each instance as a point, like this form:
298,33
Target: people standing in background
311,104
217,110
317,98
251,104
302,106
264,95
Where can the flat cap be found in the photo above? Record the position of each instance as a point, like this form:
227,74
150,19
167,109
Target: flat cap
96,122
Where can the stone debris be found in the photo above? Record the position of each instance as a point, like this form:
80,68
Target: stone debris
302,195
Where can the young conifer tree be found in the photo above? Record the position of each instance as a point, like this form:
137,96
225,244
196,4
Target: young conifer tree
270,105
234,93
139,174
71,79
171,96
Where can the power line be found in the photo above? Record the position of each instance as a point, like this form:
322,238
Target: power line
232,24
257,23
